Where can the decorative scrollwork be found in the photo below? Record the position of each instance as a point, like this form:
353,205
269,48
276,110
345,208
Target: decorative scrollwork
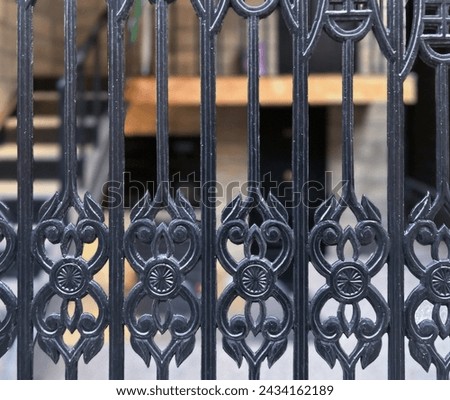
353,19
252,10
423,232
435,39
434,286
254,279
7,297
27,3
349,19
220,9
348,282
162,254
71,278
295,14
124,10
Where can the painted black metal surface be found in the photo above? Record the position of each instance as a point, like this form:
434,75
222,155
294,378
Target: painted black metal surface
8,325
70,225
165,241
348,275
255,275
25,187
423,228
162,252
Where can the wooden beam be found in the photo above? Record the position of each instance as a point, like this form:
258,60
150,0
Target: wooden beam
184,96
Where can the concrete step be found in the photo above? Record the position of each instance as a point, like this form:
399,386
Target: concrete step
8,151
46,129
41,188
47,161
46,102
42,191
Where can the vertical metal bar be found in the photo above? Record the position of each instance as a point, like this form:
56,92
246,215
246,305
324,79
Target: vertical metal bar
208,197
71,373
116,111
25,189
395,196
253,119
162,371
300,173
70,97
162,121
348,176
70,122
162,96
348,118
442,124
61,87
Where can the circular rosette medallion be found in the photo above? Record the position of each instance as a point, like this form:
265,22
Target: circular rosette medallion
70,278
438,282
254,279
349,281
162,279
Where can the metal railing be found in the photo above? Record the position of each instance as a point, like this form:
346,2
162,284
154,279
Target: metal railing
163,253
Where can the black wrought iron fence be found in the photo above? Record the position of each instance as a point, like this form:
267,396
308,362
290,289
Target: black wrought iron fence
164,253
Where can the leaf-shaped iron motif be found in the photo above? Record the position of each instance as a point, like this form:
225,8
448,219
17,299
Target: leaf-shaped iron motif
421,353
162,253
71,278
276,351
370,353
234,350
422,209
254,279
327,350
184,350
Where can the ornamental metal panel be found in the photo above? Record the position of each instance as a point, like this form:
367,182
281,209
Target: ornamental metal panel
168,237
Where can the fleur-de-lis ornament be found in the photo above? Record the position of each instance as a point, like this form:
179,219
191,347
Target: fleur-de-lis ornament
254,280
162,255
348,283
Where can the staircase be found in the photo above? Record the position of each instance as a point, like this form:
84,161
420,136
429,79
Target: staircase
47,168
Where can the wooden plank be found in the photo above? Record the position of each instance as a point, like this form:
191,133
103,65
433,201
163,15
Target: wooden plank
184,96
141,120
324,89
